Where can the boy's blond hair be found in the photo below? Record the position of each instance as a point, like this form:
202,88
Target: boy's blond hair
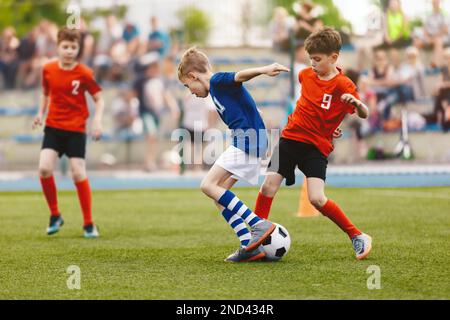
326,40
193,60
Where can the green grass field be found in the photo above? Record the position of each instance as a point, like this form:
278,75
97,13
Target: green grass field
170,244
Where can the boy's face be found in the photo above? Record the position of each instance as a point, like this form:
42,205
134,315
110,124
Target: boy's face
322,63
196,83
68,51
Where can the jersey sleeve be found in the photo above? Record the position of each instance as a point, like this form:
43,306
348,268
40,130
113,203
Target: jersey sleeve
225,79
91,85
350,87
300,76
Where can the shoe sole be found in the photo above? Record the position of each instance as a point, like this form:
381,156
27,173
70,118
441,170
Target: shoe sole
261,240
256,257
91,236
366,253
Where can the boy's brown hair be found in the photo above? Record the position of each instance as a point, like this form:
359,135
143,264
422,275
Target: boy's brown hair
326,40
193,60
66,34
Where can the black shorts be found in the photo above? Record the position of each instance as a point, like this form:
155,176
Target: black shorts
70,143
288,154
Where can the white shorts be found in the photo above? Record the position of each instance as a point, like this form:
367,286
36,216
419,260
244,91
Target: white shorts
242,165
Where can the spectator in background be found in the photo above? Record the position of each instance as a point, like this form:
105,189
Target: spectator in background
362,128
125,109
404,76
158,40
46,39
306,23
279,28
396,26
9,62
380,79
87,45
198,116
131,37
301,62
110,35
435,33
441,112
414,73
28,71
153,98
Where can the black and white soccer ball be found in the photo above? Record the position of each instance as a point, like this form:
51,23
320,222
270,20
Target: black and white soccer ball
277,244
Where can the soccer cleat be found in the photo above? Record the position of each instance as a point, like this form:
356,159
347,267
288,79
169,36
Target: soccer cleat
259,233
362,244
91,231
241,255
55,224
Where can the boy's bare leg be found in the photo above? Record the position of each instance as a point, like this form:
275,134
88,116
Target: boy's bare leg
211,186
267,192
362,243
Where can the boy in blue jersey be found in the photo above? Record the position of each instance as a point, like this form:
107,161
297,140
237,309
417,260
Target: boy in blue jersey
242,159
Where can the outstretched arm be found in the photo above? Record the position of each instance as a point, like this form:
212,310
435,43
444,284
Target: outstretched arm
361,108
271,70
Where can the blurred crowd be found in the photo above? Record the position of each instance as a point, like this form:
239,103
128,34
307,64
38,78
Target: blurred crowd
113,53
397,74
143,67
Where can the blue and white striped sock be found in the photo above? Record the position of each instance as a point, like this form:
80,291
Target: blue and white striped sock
232,203
238,225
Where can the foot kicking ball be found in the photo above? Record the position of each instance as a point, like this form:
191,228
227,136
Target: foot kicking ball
277,244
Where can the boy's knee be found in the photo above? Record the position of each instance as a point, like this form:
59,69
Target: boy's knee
78,173
205,186
317,201
269,188
266,190
45,172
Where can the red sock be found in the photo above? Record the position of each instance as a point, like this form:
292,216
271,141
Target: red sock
85,197
49,189
262,207
332,211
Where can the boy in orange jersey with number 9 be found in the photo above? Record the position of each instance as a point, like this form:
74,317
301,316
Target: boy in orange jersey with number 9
64,83
307,140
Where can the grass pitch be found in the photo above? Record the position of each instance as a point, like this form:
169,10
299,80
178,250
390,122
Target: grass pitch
170,244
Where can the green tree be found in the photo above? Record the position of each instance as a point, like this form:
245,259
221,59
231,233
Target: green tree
195,24
25,14
330,16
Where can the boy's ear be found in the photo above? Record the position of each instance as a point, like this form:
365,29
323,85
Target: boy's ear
334,56
192,75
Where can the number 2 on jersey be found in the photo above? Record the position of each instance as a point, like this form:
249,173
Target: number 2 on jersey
326,101
75,85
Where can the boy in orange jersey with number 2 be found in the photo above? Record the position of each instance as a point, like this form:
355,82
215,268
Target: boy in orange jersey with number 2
64,83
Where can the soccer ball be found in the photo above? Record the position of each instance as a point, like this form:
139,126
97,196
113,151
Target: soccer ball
277,244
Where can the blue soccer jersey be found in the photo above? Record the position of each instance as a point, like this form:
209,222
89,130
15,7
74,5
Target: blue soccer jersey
238,110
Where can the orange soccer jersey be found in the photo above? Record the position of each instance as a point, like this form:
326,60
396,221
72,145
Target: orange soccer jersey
319,110
68,108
